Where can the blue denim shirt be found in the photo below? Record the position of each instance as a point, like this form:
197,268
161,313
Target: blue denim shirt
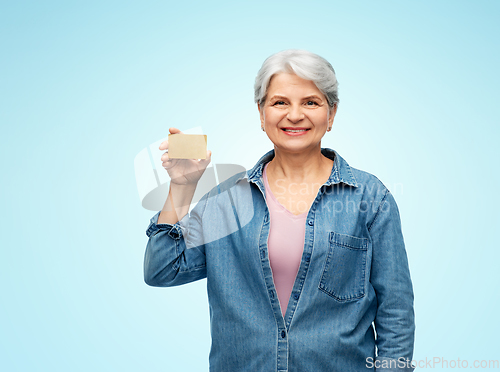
351,307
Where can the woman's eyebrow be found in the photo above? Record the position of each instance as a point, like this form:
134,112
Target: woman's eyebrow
312,97
278,97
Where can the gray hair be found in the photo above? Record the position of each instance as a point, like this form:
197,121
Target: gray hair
305,65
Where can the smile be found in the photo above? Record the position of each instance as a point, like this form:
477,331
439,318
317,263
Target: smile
295,132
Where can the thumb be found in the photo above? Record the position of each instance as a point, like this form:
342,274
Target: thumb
173,130
205,162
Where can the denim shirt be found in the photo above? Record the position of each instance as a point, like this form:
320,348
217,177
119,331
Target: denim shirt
351,306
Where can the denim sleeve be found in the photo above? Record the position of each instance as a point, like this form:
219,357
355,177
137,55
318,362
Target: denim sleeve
390,277
172,255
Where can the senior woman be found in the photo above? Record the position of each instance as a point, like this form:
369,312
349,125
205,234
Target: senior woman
304,256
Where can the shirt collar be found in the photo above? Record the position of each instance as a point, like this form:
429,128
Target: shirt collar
341,171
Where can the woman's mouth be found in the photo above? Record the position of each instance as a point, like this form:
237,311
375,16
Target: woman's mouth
295,131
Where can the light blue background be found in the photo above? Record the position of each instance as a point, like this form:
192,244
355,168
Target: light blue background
84,86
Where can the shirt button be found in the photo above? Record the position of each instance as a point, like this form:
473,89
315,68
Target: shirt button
311,222
308,257
283,334
296,296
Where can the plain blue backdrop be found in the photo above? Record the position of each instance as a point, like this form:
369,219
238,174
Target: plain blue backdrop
84,86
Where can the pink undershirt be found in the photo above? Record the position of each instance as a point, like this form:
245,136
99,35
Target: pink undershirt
285,245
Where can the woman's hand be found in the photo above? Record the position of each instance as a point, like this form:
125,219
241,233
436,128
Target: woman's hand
183,171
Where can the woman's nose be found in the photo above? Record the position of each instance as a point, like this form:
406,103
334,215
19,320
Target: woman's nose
295,113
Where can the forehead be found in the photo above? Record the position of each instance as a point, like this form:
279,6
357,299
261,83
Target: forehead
291,84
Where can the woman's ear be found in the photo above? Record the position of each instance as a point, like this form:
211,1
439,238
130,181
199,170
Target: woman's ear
331,115
261,112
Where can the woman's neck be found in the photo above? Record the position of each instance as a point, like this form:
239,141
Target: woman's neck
299,167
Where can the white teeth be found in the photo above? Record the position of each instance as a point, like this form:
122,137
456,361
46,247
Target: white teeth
294,131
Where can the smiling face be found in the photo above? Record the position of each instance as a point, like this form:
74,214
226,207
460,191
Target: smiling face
296,114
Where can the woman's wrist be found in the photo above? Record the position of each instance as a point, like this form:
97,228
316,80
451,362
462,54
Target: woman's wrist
177,204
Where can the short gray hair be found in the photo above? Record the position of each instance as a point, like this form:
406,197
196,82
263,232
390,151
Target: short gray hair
305,65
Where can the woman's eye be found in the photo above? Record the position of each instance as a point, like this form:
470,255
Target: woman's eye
311,103
279,103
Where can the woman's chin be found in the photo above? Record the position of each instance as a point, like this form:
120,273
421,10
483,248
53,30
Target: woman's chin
296,148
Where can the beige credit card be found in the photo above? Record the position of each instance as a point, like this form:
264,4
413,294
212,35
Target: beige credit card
187,146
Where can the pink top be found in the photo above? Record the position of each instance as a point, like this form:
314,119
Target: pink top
285,244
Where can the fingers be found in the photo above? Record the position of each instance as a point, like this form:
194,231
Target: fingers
164,158
167,162
205,162
173,130
164,144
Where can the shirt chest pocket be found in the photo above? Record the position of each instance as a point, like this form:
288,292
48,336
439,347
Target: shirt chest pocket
343,276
